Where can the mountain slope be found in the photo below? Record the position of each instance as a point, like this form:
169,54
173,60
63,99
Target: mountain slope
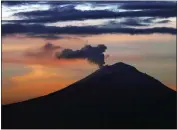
116,96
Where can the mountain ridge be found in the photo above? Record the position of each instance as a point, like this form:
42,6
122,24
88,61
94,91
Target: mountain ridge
119,64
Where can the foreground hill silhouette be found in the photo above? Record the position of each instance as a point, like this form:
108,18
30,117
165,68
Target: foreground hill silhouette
116,96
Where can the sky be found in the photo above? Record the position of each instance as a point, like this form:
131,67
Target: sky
47,45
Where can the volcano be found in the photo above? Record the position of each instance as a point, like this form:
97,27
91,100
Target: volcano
115,96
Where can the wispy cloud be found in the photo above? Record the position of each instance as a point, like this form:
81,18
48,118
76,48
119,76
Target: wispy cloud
42,29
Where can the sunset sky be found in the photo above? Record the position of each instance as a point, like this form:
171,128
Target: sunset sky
47,46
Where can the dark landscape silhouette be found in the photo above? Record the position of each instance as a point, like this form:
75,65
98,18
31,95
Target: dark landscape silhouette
115,96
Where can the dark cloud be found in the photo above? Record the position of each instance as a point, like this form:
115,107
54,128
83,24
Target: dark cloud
51,16
48,50
36,29
153,5
70,13
134,22
92,54
52,3
24,2
50,46
53,12
152,20
46,36
129,22
20,28
149,20
16,3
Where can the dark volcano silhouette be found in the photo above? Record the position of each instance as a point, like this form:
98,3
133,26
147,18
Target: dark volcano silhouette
116,96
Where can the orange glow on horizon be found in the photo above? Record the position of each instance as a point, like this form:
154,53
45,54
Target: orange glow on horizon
40,81
45,73
28,90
